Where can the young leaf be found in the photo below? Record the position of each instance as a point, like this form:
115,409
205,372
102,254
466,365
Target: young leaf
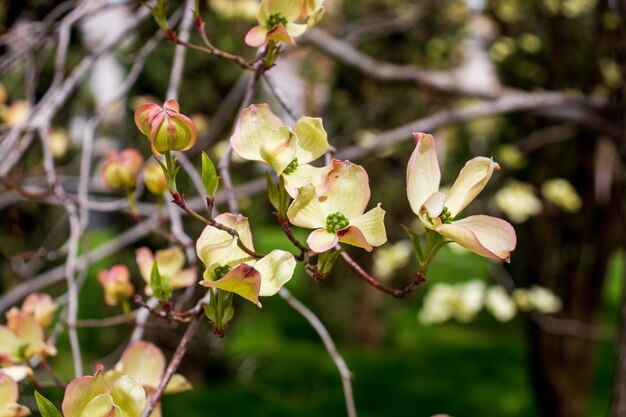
272,192
46,408
160,285
416,242
326,261
283,197
210,179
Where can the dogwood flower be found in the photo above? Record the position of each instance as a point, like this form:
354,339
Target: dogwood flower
154,178
487,236
165,127
145,362
229,268
9,394
92,396
277,21
41,306
22,338
261,136
337,215
170,262
120,169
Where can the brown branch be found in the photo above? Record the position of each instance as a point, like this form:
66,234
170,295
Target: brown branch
419,278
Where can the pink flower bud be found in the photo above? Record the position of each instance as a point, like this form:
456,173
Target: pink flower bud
165,127
154,178
120,169
116,284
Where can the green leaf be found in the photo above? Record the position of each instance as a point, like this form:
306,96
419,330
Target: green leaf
283,197
326,261
46,408
160,285
210,179
417,246
272,192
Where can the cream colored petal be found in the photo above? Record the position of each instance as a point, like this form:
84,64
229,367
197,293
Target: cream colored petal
42,306
14,410
312,139
184,278
290,9
255,126
256,37
101,406
178,383
422,175
170,261
315,17
17,373
80,392
487,236
279,149
144,259
129,396
470,182
218,246
434,205
305,210
28,329
348,190
9,391
305,175
9,345
321,240
296,29
372,226
143,361
276,270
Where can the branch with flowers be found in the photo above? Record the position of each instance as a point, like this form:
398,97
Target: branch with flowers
329,199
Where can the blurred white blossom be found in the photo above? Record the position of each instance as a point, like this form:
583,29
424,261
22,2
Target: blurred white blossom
500,304
391,258
518,201
562,193
537,298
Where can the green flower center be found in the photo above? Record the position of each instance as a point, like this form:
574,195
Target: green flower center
445,216
293,165
336,222
220,271
276,19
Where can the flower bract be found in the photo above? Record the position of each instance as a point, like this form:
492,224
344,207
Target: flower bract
165,127
170,263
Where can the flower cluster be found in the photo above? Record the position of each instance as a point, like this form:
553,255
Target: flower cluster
24,334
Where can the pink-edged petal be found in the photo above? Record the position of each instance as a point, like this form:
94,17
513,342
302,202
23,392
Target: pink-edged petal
178,383
9,391
470,182
143,361
422,175
305,175
243,280
129,395
101,406
371,225
256,37
42,306
184,278
145,116
255,126
280,149
487,236
305,210
172,105
312,139
290,9
353,236
80,392
347,189
276,269
144,259
279,33
218,246
321,240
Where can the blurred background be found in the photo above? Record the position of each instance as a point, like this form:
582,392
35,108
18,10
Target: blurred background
535,84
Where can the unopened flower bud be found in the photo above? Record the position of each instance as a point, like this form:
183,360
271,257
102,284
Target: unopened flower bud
116,284
120,169
165,127
154,178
